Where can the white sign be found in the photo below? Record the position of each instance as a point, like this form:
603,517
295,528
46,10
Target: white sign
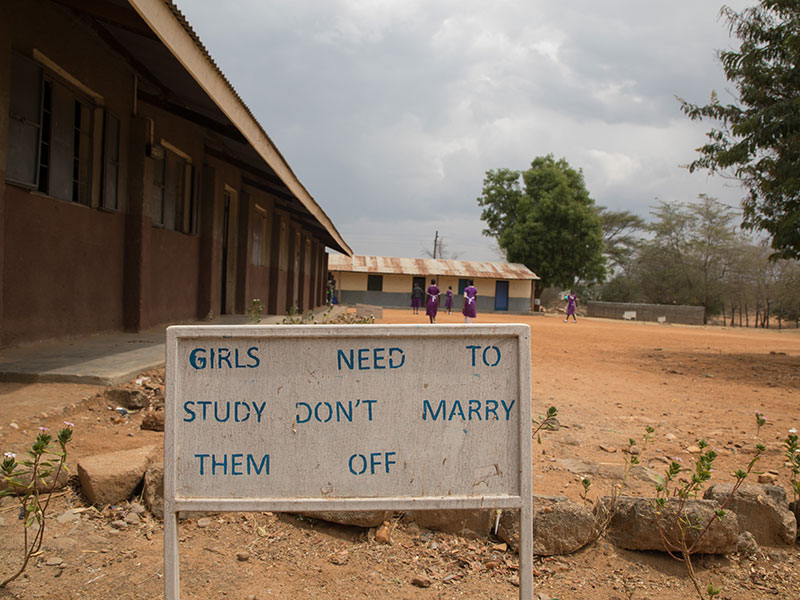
364,417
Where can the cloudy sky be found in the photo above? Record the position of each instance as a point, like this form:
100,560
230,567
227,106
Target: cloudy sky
391,111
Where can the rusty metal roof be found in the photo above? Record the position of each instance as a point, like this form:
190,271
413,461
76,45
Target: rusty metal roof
429,266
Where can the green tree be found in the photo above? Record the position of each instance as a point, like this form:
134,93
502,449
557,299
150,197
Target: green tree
690,255
758,140
620,236
551,226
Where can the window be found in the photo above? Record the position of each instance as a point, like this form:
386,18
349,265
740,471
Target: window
24,125
260,238
51,134
375,283
173,204
462,283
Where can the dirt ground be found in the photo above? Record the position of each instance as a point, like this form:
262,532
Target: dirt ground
608,379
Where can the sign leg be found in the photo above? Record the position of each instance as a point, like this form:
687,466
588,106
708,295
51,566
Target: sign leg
526,549
172,582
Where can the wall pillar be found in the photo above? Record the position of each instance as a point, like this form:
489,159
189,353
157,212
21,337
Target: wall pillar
138,224
5,76
208,265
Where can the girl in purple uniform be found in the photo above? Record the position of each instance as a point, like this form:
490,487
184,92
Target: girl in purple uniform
470,299
432,303
448,301
571,299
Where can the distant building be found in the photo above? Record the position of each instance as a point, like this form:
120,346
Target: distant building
136,187
388,281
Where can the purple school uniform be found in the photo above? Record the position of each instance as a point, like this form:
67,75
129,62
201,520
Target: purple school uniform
432,303
470,299
571,298
448,301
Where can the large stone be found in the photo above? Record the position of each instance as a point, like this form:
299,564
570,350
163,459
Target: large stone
639,524
130,399
113,477
560,526
471,523
369,518
153,489
760,509
153,420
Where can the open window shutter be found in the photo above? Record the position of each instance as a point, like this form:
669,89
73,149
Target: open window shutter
24,126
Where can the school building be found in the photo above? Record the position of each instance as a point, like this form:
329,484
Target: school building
136,187
388,281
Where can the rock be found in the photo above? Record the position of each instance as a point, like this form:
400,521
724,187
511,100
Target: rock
422,582
130,399
635,525
577,466
68,516
153,420
671,437
203,522
119,524
132,519
370,518
470,523
747,545
54,561
513,580
609,449
113,477
767,478
13,426
693,449
243,556
153,489
138,508
63,544
382,534
500,547
560,526
761,510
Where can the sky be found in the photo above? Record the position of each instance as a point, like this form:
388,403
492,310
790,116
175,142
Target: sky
390,112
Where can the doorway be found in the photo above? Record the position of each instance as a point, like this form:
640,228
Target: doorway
228,280
501,295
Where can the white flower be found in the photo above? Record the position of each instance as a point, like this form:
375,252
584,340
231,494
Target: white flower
10,455
69,424
44,429
793,430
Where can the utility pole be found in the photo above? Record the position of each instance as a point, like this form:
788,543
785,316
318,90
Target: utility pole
435,243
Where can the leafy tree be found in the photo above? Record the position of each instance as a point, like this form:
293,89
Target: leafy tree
758,140
691,254
552,225
619,235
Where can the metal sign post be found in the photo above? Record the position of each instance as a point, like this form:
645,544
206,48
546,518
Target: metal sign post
347,417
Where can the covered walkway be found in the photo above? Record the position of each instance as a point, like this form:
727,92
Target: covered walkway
104,359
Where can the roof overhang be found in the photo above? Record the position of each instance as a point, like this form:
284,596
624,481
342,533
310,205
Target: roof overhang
178,75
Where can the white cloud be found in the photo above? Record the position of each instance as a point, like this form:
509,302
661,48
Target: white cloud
391,111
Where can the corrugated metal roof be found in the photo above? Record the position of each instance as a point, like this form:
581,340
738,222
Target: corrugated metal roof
429,266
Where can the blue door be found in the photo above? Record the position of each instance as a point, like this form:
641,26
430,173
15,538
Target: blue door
501,295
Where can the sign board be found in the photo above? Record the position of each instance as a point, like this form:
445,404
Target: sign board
347,417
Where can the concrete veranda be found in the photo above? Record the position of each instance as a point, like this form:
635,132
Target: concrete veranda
104,359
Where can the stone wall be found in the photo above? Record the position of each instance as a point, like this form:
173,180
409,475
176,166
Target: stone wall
667,313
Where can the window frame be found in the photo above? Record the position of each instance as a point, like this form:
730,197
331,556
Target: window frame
182,208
